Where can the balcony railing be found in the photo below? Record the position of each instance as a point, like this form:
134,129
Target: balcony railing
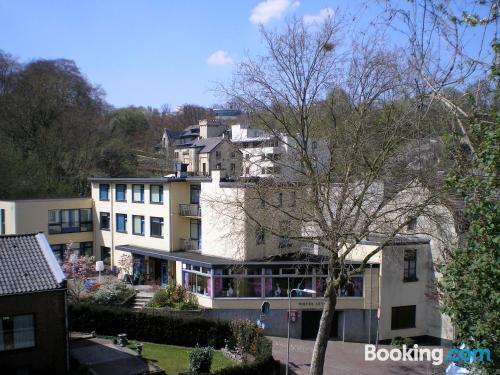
188,244
189,210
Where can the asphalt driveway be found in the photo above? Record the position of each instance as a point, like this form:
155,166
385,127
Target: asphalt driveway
346,358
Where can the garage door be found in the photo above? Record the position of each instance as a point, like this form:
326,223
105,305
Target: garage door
310,324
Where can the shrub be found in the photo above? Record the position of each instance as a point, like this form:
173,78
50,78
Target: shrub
200,360
160,298
400,341
263,348
245,335
114,294
145,326
266,366
174,296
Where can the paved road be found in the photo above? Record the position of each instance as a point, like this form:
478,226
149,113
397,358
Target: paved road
102,357
346,358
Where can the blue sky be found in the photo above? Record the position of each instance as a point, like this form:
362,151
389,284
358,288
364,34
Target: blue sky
147,52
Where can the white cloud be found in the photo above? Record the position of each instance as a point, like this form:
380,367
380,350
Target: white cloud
320,17
268,9
220,57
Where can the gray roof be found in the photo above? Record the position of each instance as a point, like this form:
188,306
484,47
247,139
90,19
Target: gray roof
207,144
27,264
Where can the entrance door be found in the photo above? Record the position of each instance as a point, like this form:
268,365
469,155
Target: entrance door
164,273
310,324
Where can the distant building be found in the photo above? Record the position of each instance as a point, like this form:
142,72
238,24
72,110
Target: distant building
64,221
33,323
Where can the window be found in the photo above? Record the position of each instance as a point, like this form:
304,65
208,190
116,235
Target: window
138,193
70,220
217,154
121,223
58,251
247,170
247,156
412,225
54,221
156,194
121,192
218,166
86,249
106,255
104,222
293,199
138,225
104,192
157,227
17,332
403,317
260,236
85,220
314,145
2,221
410,265
233,155
194,194
176,155
232,169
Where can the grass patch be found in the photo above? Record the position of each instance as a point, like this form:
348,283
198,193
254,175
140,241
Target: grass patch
174,359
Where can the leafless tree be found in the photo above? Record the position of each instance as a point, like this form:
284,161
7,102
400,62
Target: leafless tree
358,161
448,44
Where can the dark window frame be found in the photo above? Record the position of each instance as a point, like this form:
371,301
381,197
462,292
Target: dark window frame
124,191
410,265
160,187
152,221
101,227
125,216
143,229
142,193
71,226
400,321
103,188
3,317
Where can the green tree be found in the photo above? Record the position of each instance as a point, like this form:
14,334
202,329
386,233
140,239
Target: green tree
471,275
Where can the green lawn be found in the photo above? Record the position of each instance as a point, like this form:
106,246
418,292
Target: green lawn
174,359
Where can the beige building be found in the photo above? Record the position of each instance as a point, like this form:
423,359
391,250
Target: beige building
64,221
180,230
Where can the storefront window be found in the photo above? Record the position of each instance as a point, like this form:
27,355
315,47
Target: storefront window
238,287
198,284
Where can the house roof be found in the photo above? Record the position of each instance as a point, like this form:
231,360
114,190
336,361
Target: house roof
207,144
27,264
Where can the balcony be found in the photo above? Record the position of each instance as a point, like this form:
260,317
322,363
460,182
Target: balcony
192,210
189,245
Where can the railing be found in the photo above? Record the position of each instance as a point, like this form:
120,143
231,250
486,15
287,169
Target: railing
189,210
188,244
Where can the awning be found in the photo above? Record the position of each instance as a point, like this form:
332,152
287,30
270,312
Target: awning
198,259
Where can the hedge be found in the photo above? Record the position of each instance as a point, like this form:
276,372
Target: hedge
143,326
268,366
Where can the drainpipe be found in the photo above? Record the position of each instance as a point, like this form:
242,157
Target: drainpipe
112,228
370,308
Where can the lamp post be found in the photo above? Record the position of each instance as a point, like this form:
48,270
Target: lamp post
309,291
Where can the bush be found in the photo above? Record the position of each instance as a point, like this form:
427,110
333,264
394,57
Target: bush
174,296
400,341
160,299
114,294
145,326
263,348
266,366
200,360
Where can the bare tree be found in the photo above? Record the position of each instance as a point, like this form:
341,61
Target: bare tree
448,44
357,162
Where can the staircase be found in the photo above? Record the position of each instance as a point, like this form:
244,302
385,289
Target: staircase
141,298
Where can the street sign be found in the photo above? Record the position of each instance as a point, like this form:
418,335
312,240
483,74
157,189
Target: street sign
265,308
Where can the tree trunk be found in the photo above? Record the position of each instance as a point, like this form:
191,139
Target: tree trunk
325,325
